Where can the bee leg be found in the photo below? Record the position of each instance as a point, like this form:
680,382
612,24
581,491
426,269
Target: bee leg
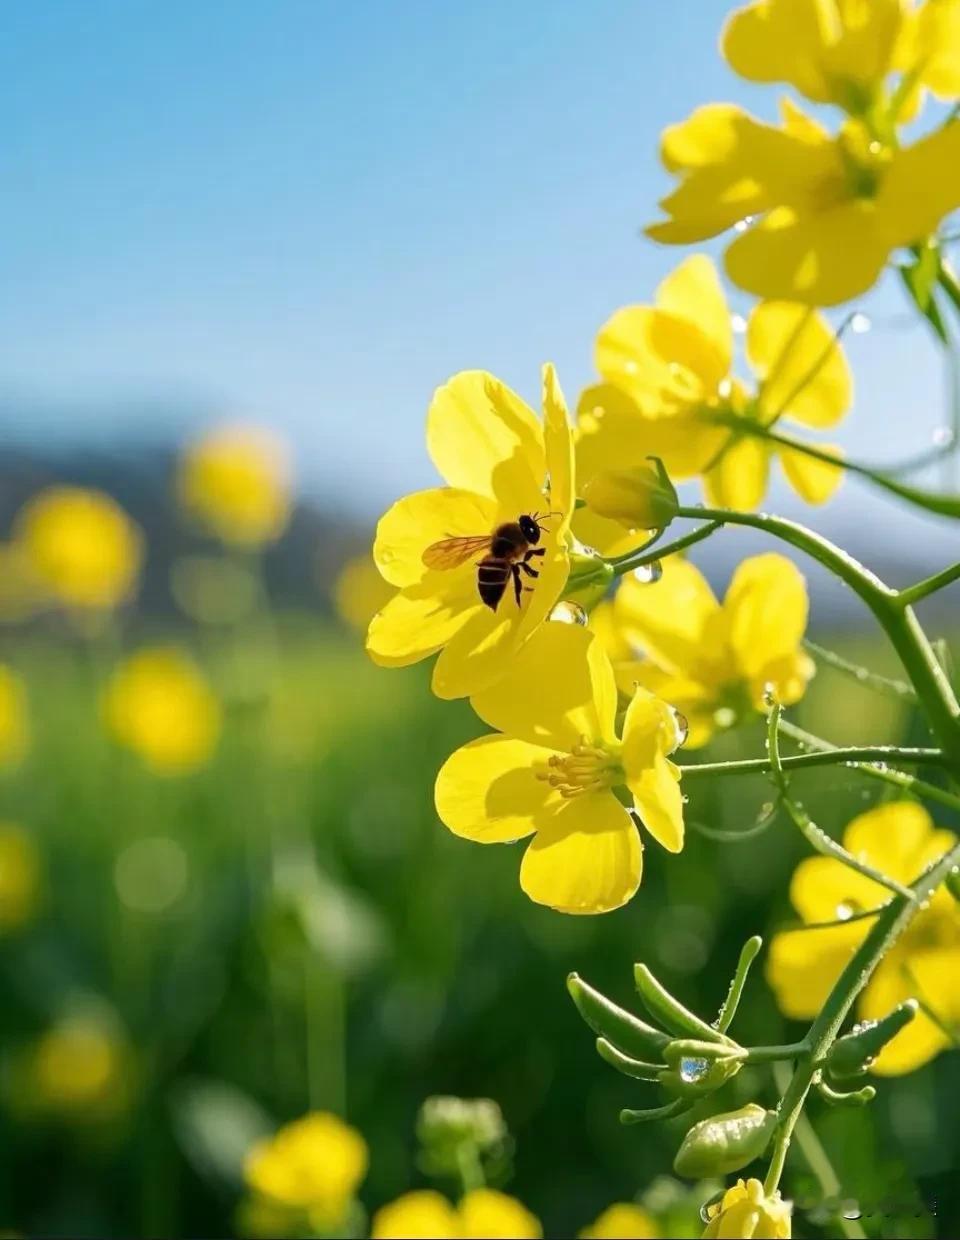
528,555
515,571
525,567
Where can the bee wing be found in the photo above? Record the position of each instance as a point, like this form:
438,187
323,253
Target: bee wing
452,552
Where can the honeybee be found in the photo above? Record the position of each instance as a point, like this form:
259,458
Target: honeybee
508,552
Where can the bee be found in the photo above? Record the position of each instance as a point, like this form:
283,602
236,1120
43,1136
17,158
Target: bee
507,553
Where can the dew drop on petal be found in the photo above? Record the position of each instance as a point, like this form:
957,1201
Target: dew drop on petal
683,728
692,1070
845,910
647,574
568,612
860,323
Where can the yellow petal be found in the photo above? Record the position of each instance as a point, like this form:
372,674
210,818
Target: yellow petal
814,481
801,366
420,1215
739,478
898,838
420,619
936,47
603,535
414,522
667,619
482,437
665,362
693,292
803,966
693,700
557,689
773,41
621,1220
819,258
649,734
900,975
586,860
920,187
766,611
823,889
488,790
486,1213
558,440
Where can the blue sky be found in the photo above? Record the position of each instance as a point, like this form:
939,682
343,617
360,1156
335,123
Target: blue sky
312,213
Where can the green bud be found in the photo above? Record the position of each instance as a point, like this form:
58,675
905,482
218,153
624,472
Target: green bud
725,1143
670,1011
640,498
853,1054
626,1032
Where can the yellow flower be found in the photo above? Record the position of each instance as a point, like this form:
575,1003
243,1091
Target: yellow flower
747,1213
235,482
314,1164
621,1221
359,592
80,1066
496,457
829,209
930,46
82,546
14,725
803,965
19,877
159,705
713,662
667,382
552,768
427,1215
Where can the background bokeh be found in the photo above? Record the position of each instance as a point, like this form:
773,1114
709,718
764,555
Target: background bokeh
309,215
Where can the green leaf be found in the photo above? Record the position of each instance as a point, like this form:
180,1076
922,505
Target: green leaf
920,280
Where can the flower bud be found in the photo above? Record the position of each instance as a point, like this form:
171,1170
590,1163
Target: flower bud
641,498
855,1051
745,1212
725,1142
625,1031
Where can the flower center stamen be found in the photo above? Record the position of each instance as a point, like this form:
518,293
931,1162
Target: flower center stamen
587,768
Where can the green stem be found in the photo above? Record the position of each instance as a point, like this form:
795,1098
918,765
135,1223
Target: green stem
862,675
900,624
770,1054
886,930
929,585
637,559
822,757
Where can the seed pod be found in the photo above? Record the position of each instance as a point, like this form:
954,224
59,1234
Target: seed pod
669,1011
626,1032
853,1054
636,1068
725,1143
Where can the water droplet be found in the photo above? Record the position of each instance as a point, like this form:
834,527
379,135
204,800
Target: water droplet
738,323
724,388
692,1070
744,224
648,574
769,694
683,728
847,909
860,323
942,437
850,1209
568,612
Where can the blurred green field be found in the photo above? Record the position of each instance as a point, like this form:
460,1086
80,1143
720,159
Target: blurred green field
291,928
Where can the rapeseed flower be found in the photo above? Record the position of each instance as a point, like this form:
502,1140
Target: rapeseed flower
235,481
80,1067
500,463
481,1213
668,390
14,720
900,840
19,877
311,1167
715,663
558,770
622,1221
820,213
83,549
746,1212
360,592
159,705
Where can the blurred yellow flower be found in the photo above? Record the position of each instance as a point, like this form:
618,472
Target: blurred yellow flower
747,1213
159,705
713,662
621,1221
930,46
235,481
82,546
819,214
497,458
360,592
554,769
482,1213
313,1165
80,1066
19,877
14,719
900,840
667,385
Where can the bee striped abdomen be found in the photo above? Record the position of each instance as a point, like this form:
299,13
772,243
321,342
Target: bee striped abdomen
493,573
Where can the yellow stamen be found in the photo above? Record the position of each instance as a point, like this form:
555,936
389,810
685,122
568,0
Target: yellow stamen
587,767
